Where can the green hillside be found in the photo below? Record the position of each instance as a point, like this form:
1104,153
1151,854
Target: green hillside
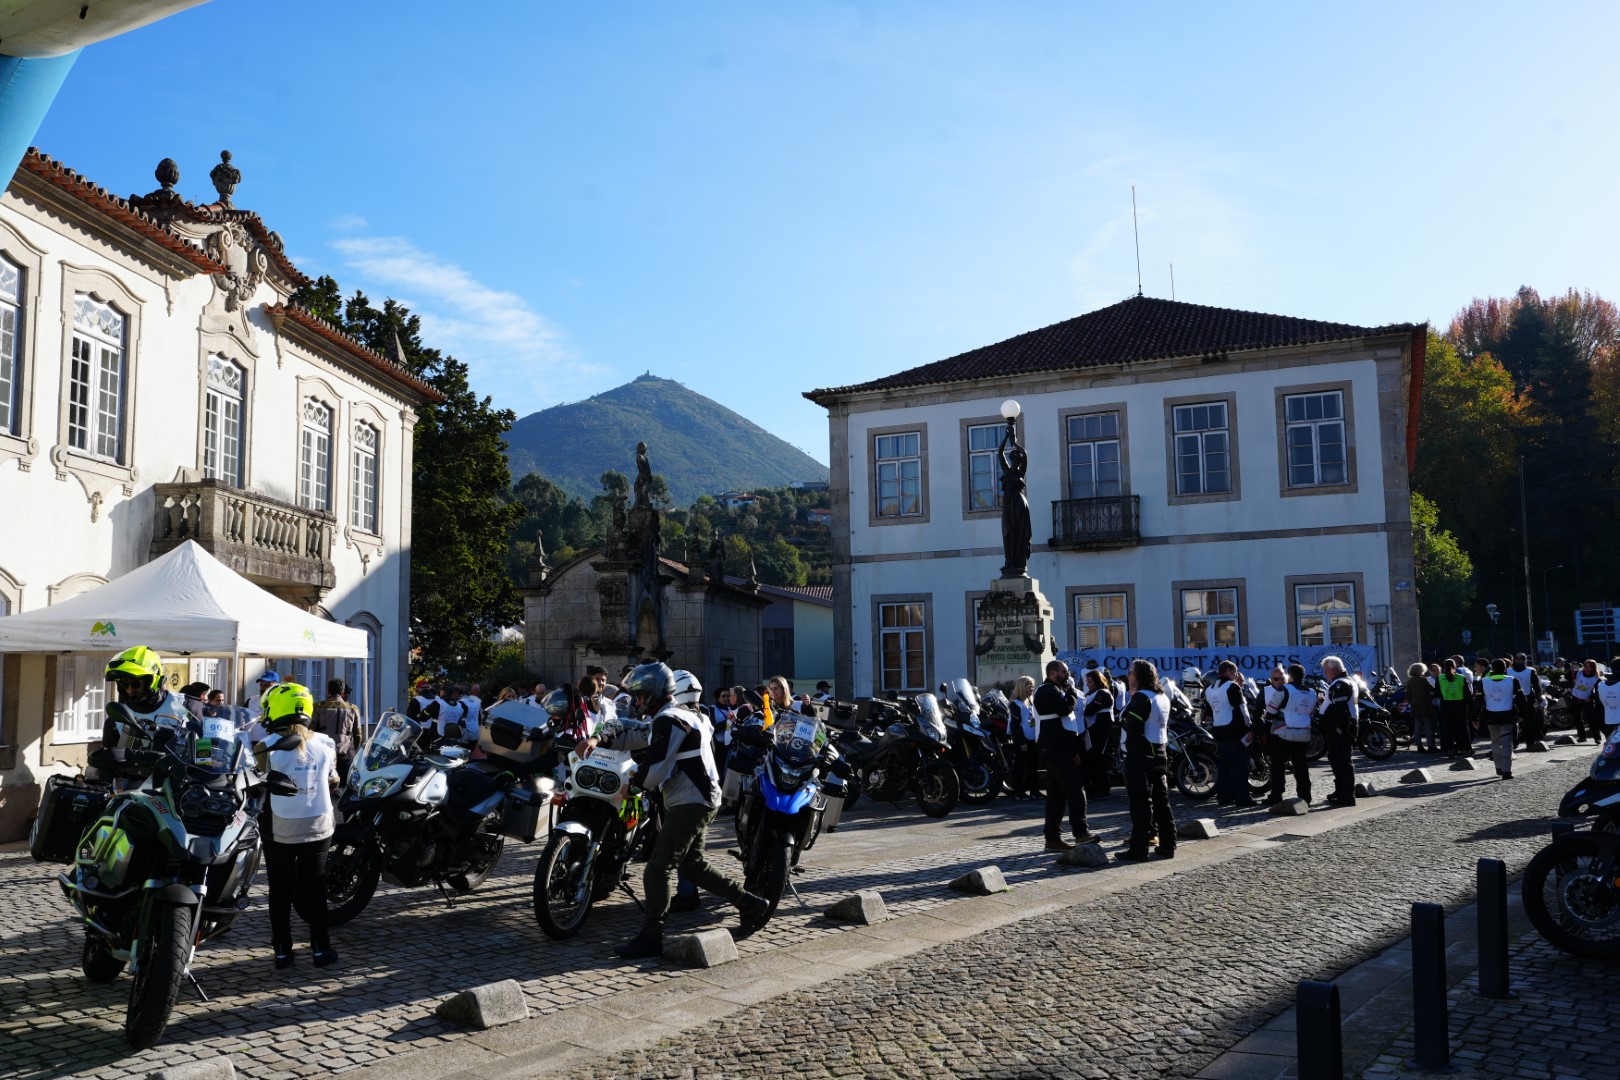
699,446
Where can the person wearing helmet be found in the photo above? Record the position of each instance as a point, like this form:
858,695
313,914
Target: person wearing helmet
137,675
682,770
299,828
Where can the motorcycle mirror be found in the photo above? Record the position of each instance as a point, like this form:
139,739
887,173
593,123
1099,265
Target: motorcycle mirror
279,783
121,712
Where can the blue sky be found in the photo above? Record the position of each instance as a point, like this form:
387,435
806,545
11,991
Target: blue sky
758,199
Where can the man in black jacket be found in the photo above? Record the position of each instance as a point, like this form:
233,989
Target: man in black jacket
1340,715
1060,745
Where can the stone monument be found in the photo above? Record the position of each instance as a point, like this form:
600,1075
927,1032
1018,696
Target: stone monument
1015,620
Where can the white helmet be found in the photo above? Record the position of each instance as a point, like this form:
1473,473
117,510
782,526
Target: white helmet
688,691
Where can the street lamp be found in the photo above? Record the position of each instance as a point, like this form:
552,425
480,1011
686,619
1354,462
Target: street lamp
1495,613
1546,604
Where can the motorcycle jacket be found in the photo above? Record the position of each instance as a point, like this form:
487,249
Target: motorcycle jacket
1342,707
1226,706
1054,703
681,764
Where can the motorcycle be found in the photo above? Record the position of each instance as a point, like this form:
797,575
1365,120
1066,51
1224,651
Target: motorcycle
783,798
605,822
974,751
1570,890
411,817
905,756
168,863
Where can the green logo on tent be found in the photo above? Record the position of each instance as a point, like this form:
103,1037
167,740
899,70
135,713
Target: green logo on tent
309,635
106,629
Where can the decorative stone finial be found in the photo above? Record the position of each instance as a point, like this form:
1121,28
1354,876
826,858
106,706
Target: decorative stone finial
225,177
167,173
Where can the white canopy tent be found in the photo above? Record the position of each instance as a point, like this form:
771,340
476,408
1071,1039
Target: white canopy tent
185,603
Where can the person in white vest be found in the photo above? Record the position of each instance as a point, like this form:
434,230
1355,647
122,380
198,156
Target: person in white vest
1583,702
1502,695
298,828
1529,680
474,700
1145,725
1289,708
1230,720
1608,696
681,768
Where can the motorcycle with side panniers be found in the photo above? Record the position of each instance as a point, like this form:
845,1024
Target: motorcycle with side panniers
162,856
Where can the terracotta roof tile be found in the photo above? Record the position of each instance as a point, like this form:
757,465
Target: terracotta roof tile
65,179
325,330
1138,329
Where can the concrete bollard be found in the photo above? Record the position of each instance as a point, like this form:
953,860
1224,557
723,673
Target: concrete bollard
706,948
1417,776
1291,808
863,909
1198,829
485,1006
1466,764
981,882
214,1068
1085,855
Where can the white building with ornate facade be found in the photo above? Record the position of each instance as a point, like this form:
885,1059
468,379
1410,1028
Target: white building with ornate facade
156,385
1199,479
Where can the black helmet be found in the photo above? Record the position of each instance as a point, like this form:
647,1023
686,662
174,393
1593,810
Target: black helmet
558,703
649,682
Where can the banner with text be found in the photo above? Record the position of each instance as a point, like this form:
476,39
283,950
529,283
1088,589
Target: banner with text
1255,660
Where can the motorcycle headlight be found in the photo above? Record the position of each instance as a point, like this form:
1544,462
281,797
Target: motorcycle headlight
375,787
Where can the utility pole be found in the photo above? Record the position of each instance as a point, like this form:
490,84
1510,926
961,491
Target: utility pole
1524,532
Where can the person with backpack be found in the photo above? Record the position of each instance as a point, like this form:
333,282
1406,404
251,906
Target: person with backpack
339,721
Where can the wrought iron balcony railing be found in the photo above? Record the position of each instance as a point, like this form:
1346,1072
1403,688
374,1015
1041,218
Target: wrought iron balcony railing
1109,522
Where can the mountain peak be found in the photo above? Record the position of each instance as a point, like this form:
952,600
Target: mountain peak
698,445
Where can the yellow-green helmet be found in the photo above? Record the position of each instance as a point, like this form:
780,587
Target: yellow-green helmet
138,664
287,703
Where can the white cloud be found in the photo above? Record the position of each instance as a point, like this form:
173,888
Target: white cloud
512,351
348,223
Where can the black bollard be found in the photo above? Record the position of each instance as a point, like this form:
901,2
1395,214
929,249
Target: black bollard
1431,1034
1319,1041
1493,929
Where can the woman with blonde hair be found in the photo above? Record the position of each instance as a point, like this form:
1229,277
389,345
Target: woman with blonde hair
1026,779
780,694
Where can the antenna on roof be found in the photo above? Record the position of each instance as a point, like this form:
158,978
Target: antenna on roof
1138,234
1172,281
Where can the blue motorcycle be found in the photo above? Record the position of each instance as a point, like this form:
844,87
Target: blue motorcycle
783,797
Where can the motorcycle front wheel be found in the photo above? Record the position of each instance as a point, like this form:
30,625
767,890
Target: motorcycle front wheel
1568,904
1195,775
1377,742
165,940
980,779
938,788
352,872
562,886
771,871
1259,770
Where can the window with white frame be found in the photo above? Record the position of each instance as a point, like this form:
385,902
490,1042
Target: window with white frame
1094,457
96,380
899,474
222,421
1325,614
1102,621
1203,449
11,330
315,457
1209,618
903,646
81,698
1315,439
984,466
5,609
363,481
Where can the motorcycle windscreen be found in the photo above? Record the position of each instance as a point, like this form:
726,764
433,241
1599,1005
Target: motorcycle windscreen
1607,765
929,719
390,741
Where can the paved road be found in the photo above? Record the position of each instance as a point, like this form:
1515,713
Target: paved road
408,951
1154,981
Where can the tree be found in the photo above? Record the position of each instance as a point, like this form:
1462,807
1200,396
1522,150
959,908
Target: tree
1445,576
461,515
779,564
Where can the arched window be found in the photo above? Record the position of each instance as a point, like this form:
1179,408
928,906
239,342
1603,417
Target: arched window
363,486
315,457
96,381
363,677
223,427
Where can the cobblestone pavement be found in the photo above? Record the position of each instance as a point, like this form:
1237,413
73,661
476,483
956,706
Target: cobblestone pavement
408,951
1155,981
1559,1027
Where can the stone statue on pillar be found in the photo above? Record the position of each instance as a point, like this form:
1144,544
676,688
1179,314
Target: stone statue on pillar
1015,619
1015,528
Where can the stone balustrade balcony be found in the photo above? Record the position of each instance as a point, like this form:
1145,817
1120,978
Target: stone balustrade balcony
285,548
